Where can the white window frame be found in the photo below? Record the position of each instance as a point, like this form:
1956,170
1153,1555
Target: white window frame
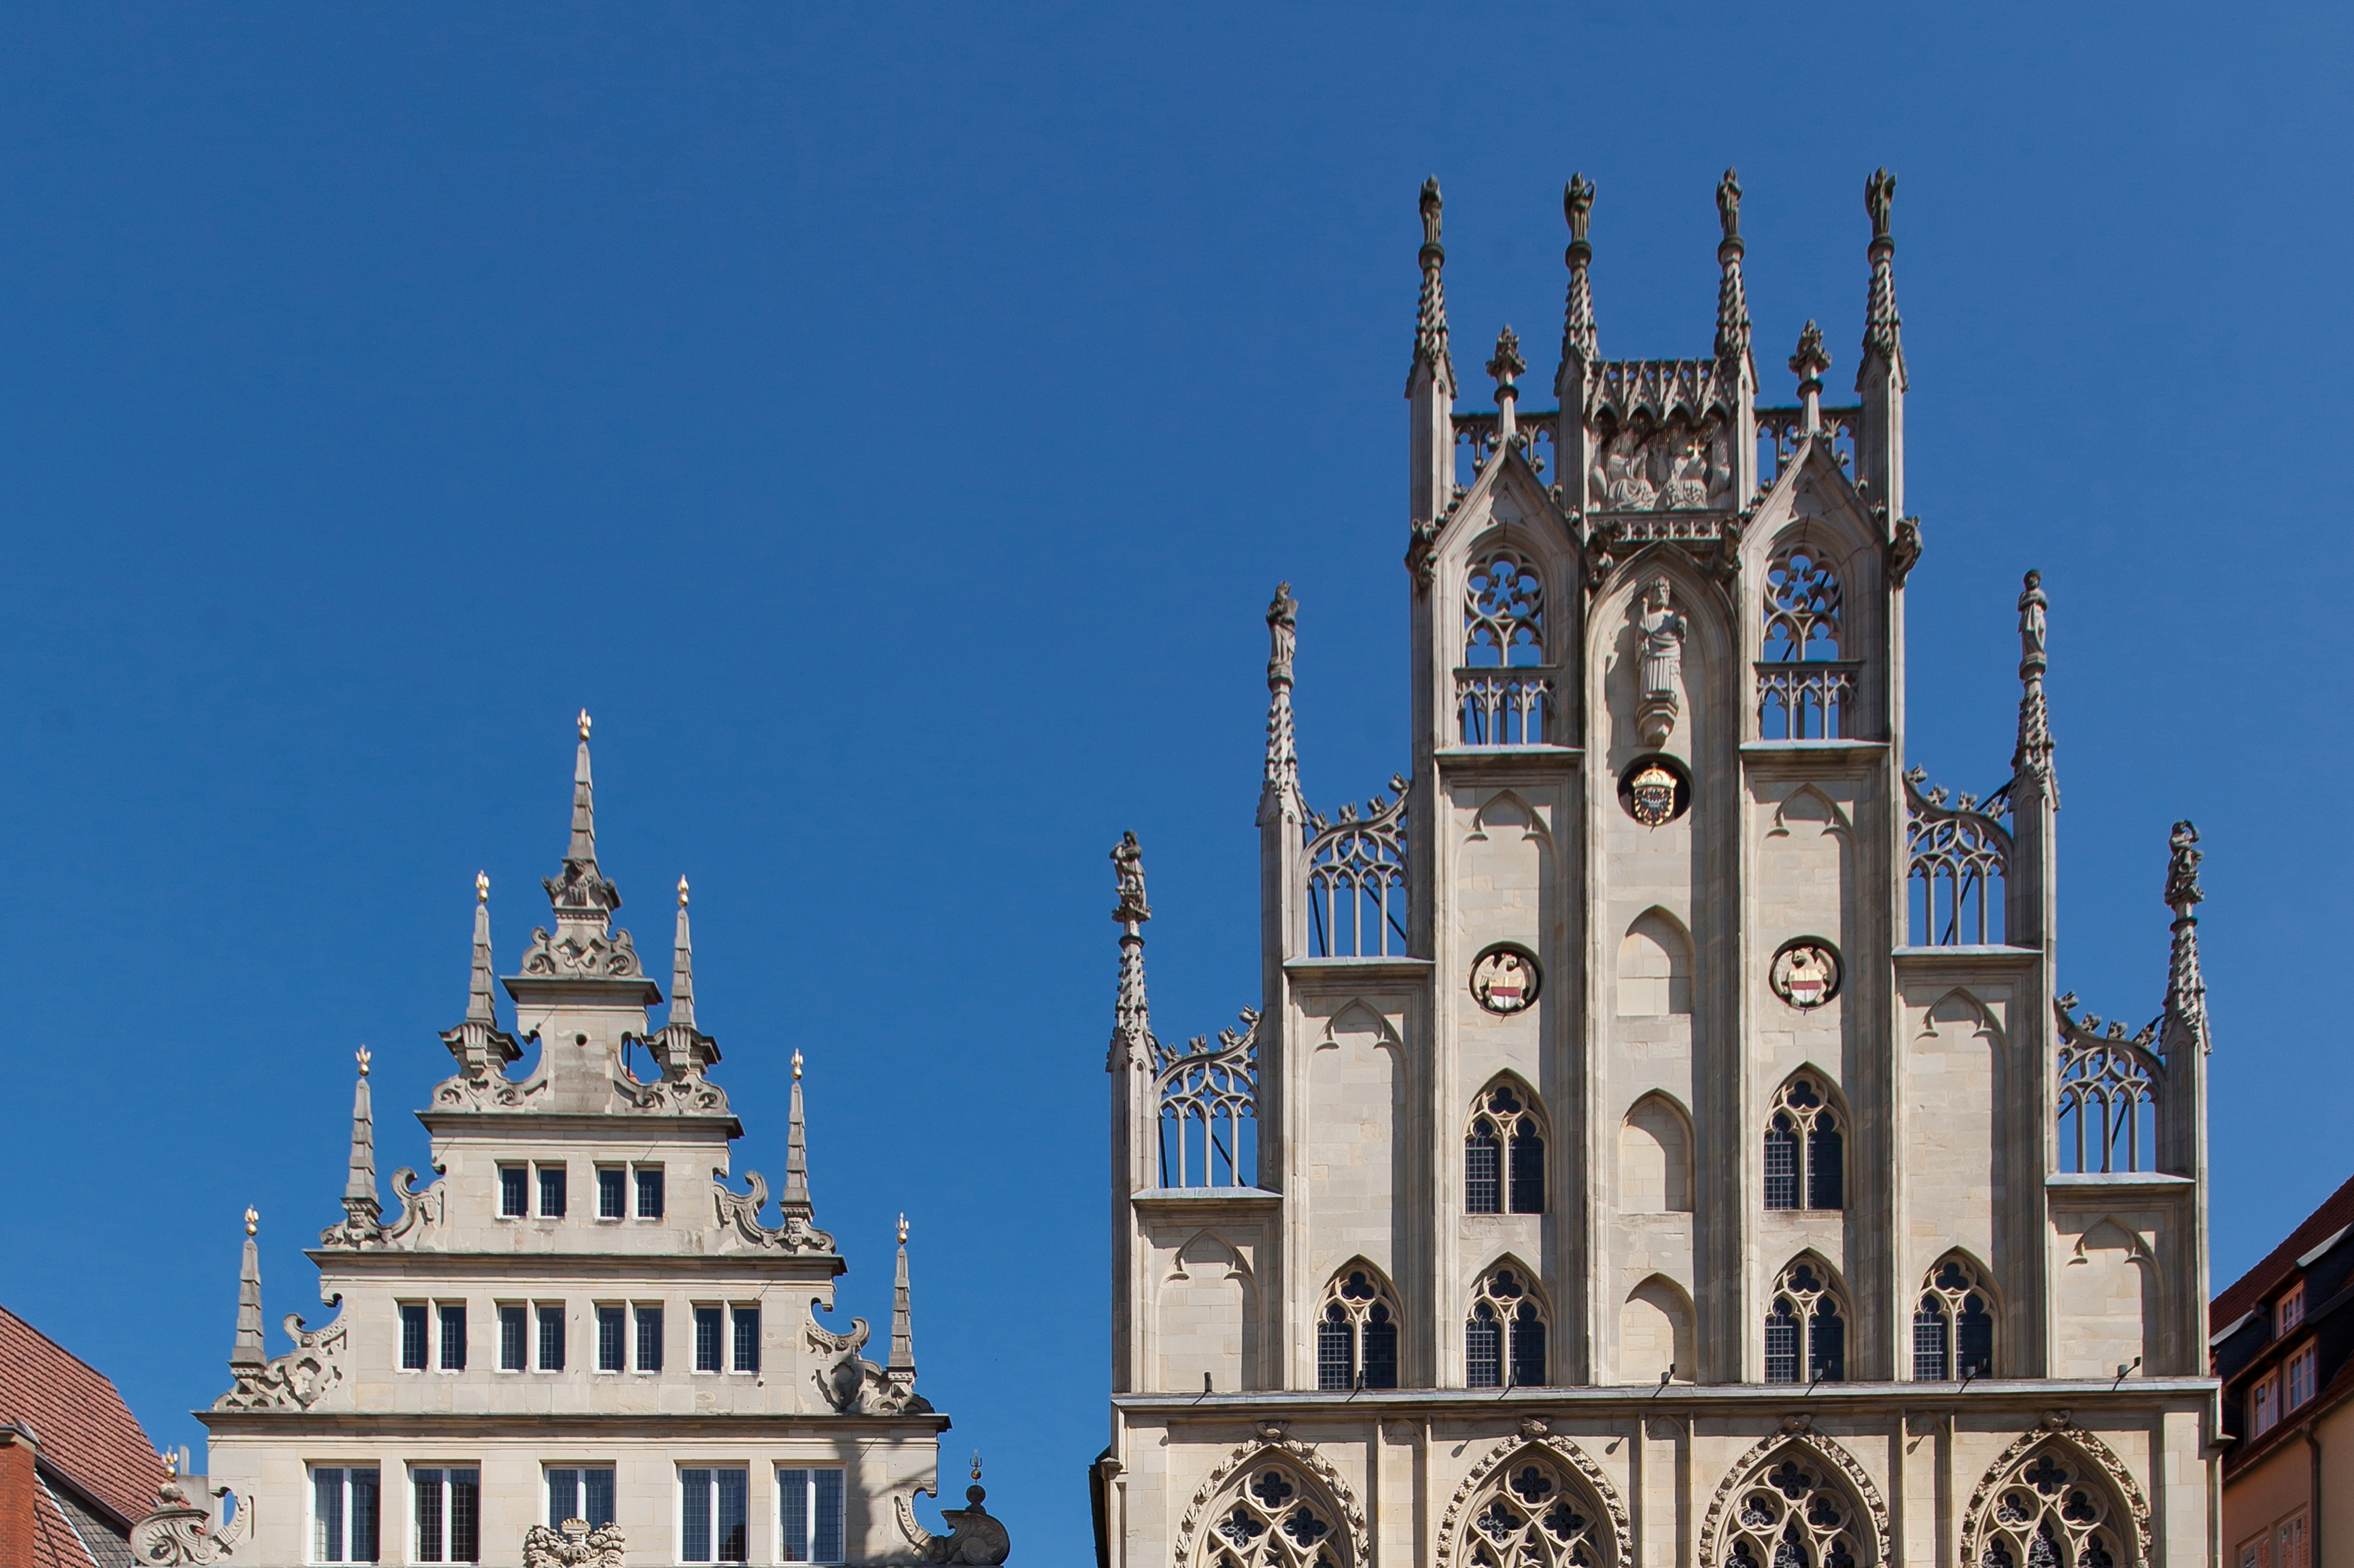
2264,1404
597,1311
579,1468
441,1357
444,1468
714,1468
501,1207
638,1310
2289,1310
539,1314
736,1312
499,1309
638,1173
695,1312
2308,1361
806,1551
628,1193
539,1174
342,1468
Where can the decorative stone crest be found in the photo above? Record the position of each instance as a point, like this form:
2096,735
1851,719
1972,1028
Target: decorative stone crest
1656,702
1806,972
1535,1436
1651,795
420,1211
851,1384
175,1531
574,1545
1504,981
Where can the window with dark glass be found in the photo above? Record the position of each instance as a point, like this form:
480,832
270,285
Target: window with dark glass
343,1503
413,1335
551,1191
1504,1335
551,1338
449,1513
612,1192
513,1330
650,1192
709,1329
650,1339
747,1345
1483,1164
711,1525
514,1188
1356,1337
1483,1348
1806,1328
1805,1149
612,1337
584,1492
1953,1326
808,1512
453,1336
1503,1156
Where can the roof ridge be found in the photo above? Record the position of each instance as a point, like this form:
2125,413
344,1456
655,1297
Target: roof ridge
2242,1295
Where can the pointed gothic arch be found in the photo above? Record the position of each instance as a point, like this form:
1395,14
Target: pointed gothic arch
1956,1321
1655,967
2057,1497
1504,1150
1496,807
1807,1314
1796,1500
1357,1330
1806,1124
1656,1333
1205,1314
1655,1156
1507,1327
1275,1502
1834,818
1502,1515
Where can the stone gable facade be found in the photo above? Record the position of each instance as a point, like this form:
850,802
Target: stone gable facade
1656,1139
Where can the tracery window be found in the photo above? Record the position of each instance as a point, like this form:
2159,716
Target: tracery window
1534,1514
1356,879
1505,1334
1503,1156
2108,1099
1503,611
1953,1327
1802,606
1793,1515
1357,1333
1277,1518
1806,1149
2054,1512
1806,1327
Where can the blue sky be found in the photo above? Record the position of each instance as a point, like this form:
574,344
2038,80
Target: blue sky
890,424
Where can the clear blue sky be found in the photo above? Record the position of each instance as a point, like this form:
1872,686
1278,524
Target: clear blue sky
890,423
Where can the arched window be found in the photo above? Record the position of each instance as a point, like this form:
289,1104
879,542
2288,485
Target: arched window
2109,1096
1802,606
1503,611
1792,1514
2051,1510
1503,1156
1273,1515
1505,1335
1953,1327
1357,1335
1534,1514
1805,1148
1806,1325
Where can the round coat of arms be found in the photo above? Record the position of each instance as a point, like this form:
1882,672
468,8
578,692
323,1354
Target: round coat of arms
1504,981
1806,972
1655,791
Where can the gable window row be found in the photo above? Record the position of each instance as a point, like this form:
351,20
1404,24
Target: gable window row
533,1336
623,1190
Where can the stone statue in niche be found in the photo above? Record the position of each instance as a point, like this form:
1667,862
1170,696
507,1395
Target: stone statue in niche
1677,466
1656,702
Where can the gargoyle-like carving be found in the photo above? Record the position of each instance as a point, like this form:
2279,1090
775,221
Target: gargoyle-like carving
592,953
976,1537
299,1378
420,1210
574,1545
177,1532
741,1211
854,1385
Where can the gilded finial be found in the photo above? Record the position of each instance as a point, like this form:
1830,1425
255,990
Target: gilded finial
482,887
171,1466
797,1067
903,1230
976,1464
363,1054
681,893
584,724
252,1221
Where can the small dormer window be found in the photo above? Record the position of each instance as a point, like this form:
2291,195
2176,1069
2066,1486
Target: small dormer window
2289,1311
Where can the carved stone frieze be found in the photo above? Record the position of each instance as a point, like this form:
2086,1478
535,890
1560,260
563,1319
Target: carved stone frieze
690,1093
175,1531
299,1378
575,1545
740,1218
1678,465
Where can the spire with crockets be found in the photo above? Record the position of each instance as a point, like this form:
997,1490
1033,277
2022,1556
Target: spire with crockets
1579,340
1882,335
2186,988
1431,355
1131,1029
247,1354
363,1212
683,1051
482,1049
1731,296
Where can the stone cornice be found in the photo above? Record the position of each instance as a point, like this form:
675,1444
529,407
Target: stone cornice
1507,761
1346,973
2027,1396
582,1127
395,1264
463,1428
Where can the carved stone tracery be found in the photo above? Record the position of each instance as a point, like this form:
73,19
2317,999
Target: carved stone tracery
1777,1463
1474,1531
2036,1502
1253,1511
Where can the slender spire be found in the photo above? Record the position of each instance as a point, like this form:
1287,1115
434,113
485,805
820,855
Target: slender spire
1577,332
681,966
903,1332
248,1350
2032,759
1279,797
1131,1029
360,1203
481,1048
481,1005
796,1197
1430,348
1808,363
1883,336
1506,367
2186,988
683,1051
1732,297
584,801
582,894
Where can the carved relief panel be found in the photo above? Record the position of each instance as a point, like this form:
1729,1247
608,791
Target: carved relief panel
1682,465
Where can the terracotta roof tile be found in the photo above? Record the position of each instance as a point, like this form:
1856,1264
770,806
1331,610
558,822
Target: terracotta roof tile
55,1544
2247,1292
86,1433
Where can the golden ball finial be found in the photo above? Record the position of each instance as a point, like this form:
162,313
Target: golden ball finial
797,1067
976,1464
252,1221
584,724
363,1055
903,1230
482,887
681,893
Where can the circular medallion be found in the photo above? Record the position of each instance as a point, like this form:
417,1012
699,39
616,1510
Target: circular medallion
1655,791
1504,979
1806,972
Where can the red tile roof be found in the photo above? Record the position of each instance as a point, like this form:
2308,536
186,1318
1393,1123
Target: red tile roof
2247,1292
85,1431
55,1543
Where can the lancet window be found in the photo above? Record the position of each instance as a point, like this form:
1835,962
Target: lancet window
1534,1514
1804,691
2109,1096
1504,1337
1357,1333
1356,880
1503,1156
1792,1514
1504,611
1277,1518
1956,859
1953,1327
1806,1327
2052,1511
1805,1148
1209,1110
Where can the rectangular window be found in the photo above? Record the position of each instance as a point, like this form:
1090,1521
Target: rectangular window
1483,1182
2293,1551
2266,1412
1781,1165
344,1514
513,1332
747,1347
1826,1166
582,1492
612,1337
650,1339
551,1338
1528,1173
412,1335
513,1186
707,1328
551,1191
453,1336
448,1514
1781,1349
612,1192
650,1192
2300,1377
711,1526
1483,1349
1929,1348
809,1510
2290,1312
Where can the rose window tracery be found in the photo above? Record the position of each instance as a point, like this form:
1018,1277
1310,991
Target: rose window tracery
1535,1514
1794,1515
2053,1510
1277,1518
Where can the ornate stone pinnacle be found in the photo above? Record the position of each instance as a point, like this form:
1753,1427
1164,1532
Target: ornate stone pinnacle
1577,334
584,724
681,893
1811,359
252,1221
1882,325
1577,205
363,1055
482,887
1728,206
1507,366
1879,196
1282,634
1430,348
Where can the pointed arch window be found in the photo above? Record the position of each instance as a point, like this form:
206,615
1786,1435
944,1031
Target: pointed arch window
1806,1325
1505,1155
1504,610
1504,1338
1952,1327
1534,1514
1805,1148
1792,1514
1357,1332
2051,1510
1276,1517
1805,690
